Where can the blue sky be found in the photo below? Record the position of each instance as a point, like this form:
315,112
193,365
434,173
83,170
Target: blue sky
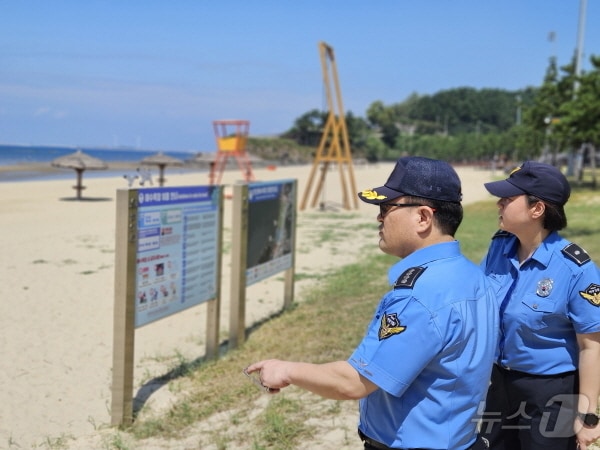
155,74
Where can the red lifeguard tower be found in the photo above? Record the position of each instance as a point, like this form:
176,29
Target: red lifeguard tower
231,137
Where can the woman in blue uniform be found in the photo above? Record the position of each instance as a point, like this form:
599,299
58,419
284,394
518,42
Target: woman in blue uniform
548,291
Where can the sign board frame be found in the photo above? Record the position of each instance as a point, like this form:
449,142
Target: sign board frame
169,208
282,198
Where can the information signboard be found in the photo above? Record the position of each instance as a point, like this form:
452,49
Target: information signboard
177,248
271,222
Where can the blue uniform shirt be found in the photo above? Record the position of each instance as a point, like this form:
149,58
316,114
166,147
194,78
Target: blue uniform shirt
543,303
430,349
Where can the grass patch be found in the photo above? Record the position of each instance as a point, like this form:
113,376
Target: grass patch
282,425
306,276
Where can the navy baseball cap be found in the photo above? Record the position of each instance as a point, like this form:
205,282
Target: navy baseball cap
419,177
541,180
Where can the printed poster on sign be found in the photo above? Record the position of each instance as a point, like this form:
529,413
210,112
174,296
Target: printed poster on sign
271,218
176,258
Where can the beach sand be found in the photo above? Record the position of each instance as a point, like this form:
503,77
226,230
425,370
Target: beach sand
56,313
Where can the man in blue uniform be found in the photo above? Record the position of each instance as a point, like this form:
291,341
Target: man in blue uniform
546,380
423,367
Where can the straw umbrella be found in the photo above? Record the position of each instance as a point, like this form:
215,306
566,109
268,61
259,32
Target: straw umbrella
80,162
202,159
162,161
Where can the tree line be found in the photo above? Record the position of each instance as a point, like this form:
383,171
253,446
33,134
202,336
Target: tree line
467,125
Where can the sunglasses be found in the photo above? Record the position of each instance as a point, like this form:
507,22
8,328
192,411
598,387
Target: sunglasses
385,208
256,380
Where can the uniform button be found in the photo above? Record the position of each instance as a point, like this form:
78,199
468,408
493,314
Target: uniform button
535,306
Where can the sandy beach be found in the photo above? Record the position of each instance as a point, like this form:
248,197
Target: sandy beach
56,315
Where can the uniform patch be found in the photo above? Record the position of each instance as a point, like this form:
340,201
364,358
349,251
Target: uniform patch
390,325
592,294
576,253
409,277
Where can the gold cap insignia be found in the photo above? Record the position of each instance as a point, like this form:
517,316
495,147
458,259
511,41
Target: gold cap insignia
372,195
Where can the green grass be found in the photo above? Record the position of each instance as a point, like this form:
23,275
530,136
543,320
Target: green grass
326,325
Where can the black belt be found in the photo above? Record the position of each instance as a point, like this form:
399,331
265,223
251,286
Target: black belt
480,443
508,370
373,443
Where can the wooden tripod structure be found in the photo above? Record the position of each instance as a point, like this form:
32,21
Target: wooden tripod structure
335,145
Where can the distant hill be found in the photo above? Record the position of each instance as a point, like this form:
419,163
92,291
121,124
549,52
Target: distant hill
282,151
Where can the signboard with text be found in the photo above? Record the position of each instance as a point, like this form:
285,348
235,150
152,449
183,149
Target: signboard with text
177,250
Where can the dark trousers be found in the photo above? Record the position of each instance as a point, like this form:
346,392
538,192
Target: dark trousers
530,412
370,444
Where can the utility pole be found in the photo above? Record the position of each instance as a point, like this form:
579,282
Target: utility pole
578,56
580,36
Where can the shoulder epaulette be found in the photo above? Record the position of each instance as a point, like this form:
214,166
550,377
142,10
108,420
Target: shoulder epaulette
409,277
501,234
576,253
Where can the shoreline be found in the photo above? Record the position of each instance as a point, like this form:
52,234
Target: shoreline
43,171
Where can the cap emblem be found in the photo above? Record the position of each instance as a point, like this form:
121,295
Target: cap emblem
372,195
516,169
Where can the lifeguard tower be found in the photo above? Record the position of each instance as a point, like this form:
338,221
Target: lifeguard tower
231,137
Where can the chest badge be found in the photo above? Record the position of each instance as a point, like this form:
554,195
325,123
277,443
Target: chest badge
544,287
390,325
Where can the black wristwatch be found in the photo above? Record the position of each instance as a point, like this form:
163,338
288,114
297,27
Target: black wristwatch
589,419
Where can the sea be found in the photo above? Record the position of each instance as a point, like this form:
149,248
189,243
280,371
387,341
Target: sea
19,155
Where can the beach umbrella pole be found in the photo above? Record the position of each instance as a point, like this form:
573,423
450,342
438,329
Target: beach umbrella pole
78,186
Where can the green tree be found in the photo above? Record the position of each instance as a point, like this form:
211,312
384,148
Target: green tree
382,118
580,117
307,128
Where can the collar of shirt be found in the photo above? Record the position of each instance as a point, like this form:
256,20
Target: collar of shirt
542,254
423,257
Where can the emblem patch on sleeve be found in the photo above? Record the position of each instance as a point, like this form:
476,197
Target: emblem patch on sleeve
390,325
591,294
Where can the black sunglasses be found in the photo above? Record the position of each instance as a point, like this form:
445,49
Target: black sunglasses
385,208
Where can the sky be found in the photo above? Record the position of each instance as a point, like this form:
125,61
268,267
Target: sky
155,74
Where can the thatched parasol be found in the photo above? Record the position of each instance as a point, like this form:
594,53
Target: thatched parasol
80,162
161,160
202,159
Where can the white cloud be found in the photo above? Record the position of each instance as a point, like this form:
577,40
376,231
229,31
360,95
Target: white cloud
41,111
46,111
